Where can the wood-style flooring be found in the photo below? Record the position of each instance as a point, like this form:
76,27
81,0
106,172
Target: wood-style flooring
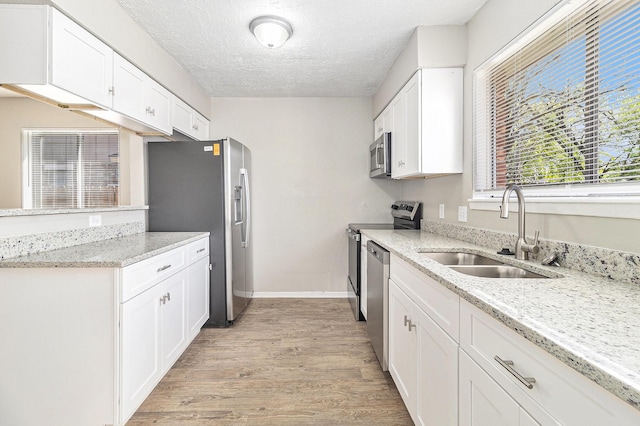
284,362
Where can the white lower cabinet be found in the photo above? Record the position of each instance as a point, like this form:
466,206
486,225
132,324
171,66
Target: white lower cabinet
483,402
402,346
423,358
154,335
557,394
198,296
493,376
86,346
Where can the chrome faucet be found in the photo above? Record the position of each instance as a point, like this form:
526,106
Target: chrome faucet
523,248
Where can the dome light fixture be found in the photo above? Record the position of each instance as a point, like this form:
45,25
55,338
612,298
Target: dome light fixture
271,31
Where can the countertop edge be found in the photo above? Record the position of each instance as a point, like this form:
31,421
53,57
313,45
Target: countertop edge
31,261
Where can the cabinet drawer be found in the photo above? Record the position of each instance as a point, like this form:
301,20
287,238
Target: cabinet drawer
145,274
564,393
441,304
197,250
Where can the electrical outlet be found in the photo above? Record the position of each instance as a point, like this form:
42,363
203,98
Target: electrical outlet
95,220
462,213
441,211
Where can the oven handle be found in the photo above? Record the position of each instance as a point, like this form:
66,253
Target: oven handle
352,234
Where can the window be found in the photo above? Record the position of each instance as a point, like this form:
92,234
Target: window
70,168
558,112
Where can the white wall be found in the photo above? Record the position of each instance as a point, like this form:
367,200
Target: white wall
494,26
310,179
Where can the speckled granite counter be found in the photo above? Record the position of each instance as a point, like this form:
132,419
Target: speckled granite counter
113,253
585,321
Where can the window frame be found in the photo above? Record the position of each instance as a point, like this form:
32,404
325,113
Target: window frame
618,200
27,172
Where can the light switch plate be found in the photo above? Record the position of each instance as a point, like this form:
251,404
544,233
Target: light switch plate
462,213
95,220
441,211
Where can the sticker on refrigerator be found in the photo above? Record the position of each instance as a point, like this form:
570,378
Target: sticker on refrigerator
216,149
208,148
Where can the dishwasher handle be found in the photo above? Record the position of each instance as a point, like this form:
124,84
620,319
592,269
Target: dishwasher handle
378,252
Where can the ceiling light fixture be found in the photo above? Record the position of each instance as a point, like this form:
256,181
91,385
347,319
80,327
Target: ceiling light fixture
271,31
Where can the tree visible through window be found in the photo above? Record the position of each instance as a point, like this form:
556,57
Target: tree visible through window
70,168
564,108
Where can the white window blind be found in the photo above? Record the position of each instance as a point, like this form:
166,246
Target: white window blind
72,168
559,110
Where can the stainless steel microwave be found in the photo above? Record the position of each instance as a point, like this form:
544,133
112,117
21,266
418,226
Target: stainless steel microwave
380,157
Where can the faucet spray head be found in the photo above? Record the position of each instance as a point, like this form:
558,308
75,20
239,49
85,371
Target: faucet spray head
504,207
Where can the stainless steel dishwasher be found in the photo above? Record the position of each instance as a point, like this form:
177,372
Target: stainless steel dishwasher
378,301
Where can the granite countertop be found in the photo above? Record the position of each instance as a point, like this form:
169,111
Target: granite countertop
586,321
112,253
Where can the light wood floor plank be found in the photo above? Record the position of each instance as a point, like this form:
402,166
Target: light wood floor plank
284,362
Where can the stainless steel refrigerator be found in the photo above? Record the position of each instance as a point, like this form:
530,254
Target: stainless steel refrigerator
205,186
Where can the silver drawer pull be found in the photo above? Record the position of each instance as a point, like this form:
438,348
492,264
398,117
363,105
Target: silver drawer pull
408,323
527,381
163,268
201,250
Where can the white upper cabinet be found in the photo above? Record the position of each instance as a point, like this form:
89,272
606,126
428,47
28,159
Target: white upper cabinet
80,62
188,121
128,83
426,124
46,53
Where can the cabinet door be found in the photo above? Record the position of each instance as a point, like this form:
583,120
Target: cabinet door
182,116
157,106
482,401
140,348
80,63
437,359
398,139
200,127
378,127
412,151
402,346
197,296
128,83
174,322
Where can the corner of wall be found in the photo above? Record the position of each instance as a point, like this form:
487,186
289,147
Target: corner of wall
429,47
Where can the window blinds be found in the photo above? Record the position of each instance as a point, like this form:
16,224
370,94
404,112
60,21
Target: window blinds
563,107
71,169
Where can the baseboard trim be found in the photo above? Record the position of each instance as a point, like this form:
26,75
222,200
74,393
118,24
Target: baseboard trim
301,294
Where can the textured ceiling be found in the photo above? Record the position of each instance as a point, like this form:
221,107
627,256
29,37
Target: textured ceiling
338,47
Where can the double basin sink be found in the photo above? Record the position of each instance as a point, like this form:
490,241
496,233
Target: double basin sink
480,266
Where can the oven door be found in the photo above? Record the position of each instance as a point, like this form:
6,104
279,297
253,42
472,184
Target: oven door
353,279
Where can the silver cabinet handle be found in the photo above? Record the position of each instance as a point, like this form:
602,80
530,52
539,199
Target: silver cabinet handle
527,381
163,268
166,298
407,323
201,250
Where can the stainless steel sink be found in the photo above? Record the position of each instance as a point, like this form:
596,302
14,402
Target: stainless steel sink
496,271
480,266
461,258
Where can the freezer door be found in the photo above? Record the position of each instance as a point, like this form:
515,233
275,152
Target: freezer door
241,288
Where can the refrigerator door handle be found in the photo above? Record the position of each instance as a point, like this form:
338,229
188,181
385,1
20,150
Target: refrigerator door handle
237,205
247,199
